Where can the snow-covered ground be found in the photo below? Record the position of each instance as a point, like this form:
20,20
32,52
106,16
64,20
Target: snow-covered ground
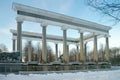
81,75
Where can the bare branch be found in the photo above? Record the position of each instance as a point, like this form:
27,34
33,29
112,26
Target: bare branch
107,7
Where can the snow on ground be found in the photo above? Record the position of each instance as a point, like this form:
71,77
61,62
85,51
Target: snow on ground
82,75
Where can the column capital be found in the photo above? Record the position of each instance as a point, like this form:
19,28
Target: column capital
77,44
85,42
19,20
64,28
95,34
68,43
43,24
14,38
56,42
80,31
29,40
107,36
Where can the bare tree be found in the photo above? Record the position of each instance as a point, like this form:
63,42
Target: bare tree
3,48
108,7
101,53
73,55
25,50
0,50
38,51
90,56
50,55
115,56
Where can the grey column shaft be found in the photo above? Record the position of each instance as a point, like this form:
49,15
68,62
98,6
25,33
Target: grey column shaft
44,46
29,51
81,48
85,51
39,53
107,50
95,49
65,47
14,44
77,56
19,39
68,52
56,48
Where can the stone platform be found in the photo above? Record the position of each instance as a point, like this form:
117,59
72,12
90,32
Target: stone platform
16,67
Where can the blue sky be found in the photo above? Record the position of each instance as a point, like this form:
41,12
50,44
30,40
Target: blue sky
74,8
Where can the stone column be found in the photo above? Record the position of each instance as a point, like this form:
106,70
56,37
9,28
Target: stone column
19,38
81,47
44,45
65,54
107,49
39,53
56,50
85,47
29,51
68,51
77,56
95,48
14,44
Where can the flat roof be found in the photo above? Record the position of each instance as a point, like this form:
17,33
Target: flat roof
27,13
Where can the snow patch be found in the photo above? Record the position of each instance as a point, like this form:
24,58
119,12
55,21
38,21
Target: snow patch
88,75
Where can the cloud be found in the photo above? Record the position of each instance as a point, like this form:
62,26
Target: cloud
43,4
5,29
60,6
66,6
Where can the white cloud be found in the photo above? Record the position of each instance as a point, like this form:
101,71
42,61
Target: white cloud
5,35
66,6
5,30
60,6
43,4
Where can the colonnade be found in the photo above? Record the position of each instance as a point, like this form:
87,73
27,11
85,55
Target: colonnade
80,58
